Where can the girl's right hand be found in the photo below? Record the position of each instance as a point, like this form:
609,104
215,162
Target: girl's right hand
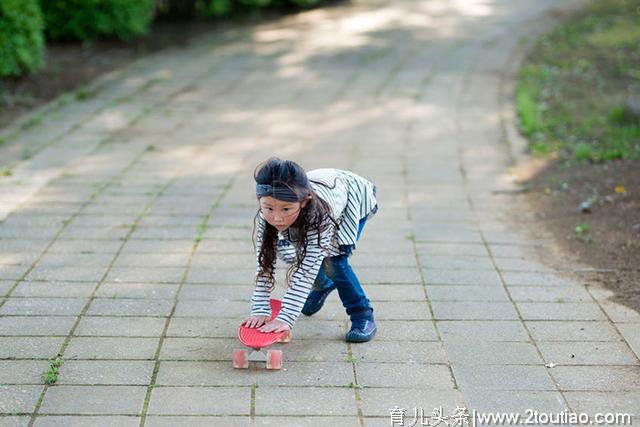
255,321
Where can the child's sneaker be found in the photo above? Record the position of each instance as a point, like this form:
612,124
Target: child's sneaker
316,299
362,330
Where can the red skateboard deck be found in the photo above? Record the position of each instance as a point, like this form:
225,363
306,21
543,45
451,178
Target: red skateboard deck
252,337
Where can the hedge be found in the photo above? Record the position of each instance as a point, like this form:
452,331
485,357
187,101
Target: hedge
93,19
21,38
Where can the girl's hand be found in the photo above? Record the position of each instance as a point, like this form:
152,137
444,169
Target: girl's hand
255,321
275,326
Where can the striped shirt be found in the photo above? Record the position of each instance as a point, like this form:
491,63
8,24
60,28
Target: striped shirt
351,198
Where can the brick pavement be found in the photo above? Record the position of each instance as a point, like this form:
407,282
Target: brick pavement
126,222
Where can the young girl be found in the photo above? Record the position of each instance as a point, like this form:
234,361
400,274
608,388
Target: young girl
311,221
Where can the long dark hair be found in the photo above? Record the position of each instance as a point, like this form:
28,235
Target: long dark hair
314,215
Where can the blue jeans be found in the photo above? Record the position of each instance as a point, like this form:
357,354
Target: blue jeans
337,270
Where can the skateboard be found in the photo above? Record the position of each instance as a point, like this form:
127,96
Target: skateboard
253,338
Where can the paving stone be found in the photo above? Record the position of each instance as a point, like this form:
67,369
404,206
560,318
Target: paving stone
559,311
13,272
491,353
19,398
202,373
400,330
137,290
146,275
22,371
515,401
323,401
482,330
230,309
5,286
200,401
15,421
93,400
457,262
597,378
474,310
365,260
502,377
314,329
54,289
394,292
326,348
130,307
588,353
64,273
164,232
107,372
157,246
153,260
19,257
451,249
379,401
308,374
44,306
16,232
207,260
29,347
103,220
461,277
221,275
219,246
389,275
401,311
120,326
631,334
400,351
466,293
111,348
231,233
426,377
516,278
35,325
117,232
549,294
569,330
593,402
388,245
85,246
202,327
619,313
100,420
215,292
202,349
203,421
517,264
75,260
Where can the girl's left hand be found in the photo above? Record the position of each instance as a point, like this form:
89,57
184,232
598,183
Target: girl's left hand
275,326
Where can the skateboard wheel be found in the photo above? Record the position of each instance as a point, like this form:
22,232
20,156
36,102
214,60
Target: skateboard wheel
274,359
240,359
287,337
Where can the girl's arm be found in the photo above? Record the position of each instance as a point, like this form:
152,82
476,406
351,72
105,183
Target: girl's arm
260,300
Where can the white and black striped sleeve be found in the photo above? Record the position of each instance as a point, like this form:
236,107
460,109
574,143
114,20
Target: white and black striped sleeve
303,278
260,299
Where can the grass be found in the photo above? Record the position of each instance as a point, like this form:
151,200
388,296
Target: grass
51,376
574,88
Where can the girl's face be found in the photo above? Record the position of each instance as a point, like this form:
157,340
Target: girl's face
281,214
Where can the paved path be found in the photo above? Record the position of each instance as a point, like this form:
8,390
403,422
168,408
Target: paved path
125,245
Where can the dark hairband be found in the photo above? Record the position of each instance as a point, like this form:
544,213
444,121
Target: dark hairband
277,192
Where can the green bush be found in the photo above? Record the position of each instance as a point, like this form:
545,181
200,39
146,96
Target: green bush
92,19
217,8
21,40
